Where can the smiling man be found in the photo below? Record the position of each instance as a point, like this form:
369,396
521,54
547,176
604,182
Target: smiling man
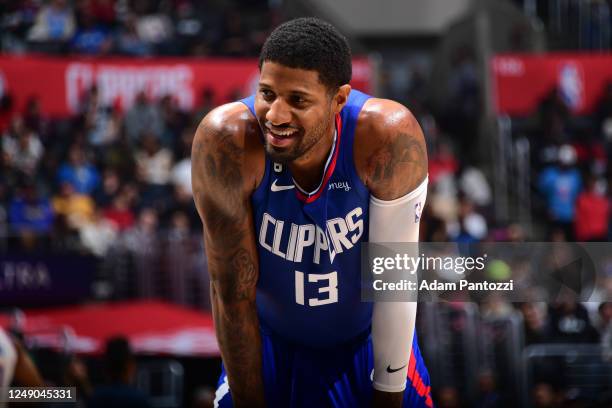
288,183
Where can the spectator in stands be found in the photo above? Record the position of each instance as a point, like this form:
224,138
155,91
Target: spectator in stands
129,42
78,209
102,123
570,322
98,234
443,162
474,185
181,172
121,370
29,212
142,237
142,117
120,211
553,116
154,26
535,320
471,226
22,148
142,242
514,233
91,38
605,315
83,175
64,238
179,227
174,121
592,212
54,22
154,165
33,117
109,188
489,396
560,186
546,396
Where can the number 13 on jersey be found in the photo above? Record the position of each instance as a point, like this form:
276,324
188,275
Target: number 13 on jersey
330,287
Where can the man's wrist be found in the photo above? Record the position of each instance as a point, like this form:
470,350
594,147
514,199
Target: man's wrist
387,399
389,388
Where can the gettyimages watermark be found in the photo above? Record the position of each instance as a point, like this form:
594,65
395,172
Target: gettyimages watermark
474,272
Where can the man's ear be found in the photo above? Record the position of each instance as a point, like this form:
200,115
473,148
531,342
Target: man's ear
341,97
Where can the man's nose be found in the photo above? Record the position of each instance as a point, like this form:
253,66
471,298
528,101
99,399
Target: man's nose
279,113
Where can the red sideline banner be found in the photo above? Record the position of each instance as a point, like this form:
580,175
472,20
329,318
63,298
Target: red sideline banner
522,81
60,83
84,329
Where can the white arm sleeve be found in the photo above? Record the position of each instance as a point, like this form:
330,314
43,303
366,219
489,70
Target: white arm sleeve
393,322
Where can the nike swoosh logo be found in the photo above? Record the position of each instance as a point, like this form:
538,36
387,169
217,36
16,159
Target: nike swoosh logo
276,188
392,370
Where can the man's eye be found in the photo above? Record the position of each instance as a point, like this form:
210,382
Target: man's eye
267,94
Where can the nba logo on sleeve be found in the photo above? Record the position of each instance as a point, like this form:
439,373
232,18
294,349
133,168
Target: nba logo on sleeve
418,209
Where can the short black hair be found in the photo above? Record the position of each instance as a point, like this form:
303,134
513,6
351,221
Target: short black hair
312,44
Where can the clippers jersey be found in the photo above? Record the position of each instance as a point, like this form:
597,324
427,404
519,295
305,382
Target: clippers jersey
309,288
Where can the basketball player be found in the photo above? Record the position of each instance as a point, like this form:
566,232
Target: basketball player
288,183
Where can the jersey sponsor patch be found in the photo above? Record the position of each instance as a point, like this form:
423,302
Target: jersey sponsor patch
340,185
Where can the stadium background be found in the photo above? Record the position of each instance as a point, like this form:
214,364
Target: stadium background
99,100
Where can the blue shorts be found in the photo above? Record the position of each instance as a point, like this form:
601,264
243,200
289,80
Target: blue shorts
298,377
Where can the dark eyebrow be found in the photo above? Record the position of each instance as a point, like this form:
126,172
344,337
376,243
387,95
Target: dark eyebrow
294,92
300,93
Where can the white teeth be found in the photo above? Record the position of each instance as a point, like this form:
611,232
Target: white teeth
284,133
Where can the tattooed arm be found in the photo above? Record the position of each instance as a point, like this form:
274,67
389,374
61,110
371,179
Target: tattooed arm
223,179
391,159
390,152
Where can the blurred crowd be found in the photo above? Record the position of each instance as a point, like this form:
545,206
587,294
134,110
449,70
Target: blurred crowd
81,184
569,171
136,27
570,191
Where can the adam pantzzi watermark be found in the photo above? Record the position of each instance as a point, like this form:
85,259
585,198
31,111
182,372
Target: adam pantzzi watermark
526,271
435,285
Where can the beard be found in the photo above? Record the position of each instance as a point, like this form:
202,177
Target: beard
304,142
